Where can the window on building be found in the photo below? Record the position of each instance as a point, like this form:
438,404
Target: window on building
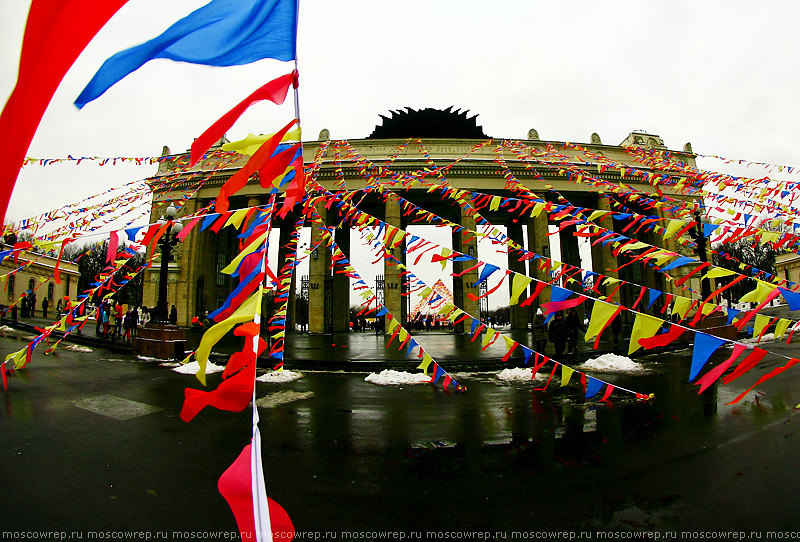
31,284
50,291
222,262
11,282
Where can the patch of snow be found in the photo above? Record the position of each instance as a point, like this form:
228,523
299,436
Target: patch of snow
192,368
612,363
389,377
518,374
280,377
77,348
282,397
148,358
7,329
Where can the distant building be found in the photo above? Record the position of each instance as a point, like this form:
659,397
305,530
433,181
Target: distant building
33,272
787,266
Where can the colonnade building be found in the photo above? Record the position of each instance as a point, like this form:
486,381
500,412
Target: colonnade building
446,138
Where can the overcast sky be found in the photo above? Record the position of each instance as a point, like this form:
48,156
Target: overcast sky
721,74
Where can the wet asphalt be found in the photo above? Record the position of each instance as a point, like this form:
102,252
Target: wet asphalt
92,442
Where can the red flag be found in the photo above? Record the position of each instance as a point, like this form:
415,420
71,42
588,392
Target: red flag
55,34
236,486
239,179
662,339
274,91
233,394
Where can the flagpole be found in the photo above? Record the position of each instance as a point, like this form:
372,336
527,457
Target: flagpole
297,71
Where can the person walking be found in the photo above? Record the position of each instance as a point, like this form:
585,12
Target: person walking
45,305
557,333
119,312
539,331
574,324
173,316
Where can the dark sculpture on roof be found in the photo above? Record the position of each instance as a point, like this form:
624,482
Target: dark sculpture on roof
428,123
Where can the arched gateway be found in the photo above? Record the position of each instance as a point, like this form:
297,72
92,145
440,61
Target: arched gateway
435,147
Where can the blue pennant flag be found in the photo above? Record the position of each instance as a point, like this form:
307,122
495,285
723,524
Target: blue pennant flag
221,33
654,294
592,386
704,346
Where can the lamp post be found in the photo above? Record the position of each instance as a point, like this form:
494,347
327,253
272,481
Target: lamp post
699,237
166,244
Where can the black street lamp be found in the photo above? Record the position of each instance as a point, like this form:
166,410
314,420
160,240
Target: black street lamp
699,237
167,242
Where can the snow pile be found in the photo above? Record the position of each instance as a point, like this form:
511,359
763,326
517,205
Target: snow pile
518,374
7,329
388,377
192,368
77,348
612,363
280,377
754,340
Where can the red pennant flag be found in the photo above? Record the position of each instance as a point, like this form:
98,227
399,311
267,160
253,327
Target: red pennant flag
662,339
746,364
239,179
236,486
274,91
57,31
773,373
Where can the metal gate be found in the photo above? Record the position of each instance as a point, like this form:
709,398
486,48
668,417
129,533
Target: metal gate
302,310
380,291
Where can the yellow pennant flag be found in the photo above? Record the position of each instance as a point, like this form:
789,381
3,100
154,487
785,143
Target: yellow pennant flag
426,361
718,272
681,306
781,327
495,203
566,374
453,316
601,314
252,143
236,218
758,295
673,227
644,327
445,253
488,337
245,313
231,267
662,256
18,358
634,246
759,324
518,285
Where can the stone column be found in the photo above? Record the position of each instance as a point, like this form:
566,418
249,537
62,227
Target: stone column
392,299
465,284
520,316
341,285
570,253
538,243
602,259
318,267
